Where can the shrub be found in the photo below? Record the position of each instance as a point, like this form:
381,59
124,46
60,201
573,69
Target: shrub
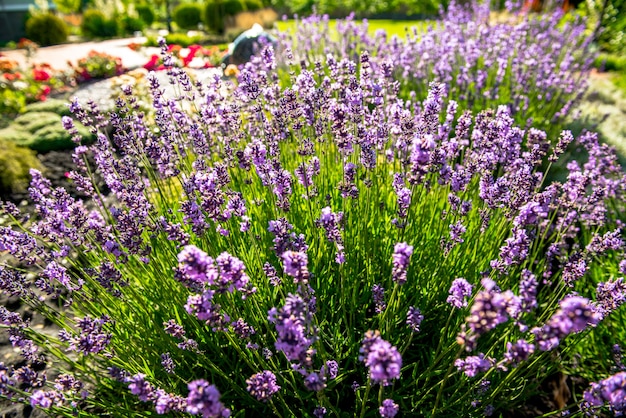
232,7
322,246
187,15
42,132
483,65
132,24
253,5
58,106
12,102
610,62
97,65
33,121
16,134
46,29
216,11
15,164
214,16
145,13
96,25
182,39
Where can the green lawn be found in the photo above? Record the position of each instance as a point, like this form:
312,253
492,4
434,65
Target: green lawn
392,27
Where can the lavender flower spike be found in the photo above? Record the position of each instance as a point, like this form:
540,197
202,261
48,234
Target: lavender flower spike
459,292
383,360
204,399
401,256
610,391
262,385
388,409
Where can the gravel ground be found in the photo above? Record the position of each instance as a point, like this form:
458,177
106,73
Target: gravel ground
102,90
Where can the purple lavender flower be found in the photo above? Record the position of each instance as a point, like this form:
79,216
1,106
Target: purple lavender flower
575,314
574,269
319,412
197,265
404,202
330,369
332,224
168,363
610,296
378,295
262,385
515,248
491,308
166,402
204,399
459,291
92,338
528,291
242,329
315,381
388,409
272,274
382,359
284,239
518,352
401,257
456,231
293,324
54,271
140,387
414,318
473,365
203,307
45,399
610,392
295,265
174,329
232,274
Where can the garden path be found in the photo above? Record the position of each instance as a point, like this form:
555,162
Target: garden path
59,55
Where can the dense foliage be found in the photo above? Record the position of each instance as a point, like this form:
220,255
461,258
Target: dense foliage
15,165
188,15
97,25
46,29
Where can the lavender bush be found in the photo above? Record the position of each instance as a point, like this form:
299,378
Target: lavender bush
326,248
535,64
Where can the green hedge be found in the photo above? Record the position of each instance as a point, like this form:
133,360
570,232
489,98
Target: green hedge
145,13
46,29
96,25
42,132
187,15
15,164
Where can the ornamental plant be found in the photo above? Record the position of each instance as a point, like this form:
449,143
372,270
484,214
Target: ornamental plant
535,64
96,65
21,86
324,248
193,56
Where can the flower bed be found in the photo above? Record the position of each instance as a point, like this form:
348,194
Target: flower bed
194,56
21,86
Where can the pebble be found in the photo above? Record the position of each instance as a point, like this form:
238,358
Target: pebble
101,91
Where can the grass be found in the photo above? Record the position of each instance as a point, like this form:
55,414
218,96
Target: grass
392,27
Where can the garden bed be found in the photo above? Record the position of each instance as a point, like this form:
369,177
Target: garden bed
332,236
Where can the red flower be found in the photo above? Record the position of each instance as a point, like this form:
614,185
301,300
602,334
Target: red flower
40,74
12,76
151,65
